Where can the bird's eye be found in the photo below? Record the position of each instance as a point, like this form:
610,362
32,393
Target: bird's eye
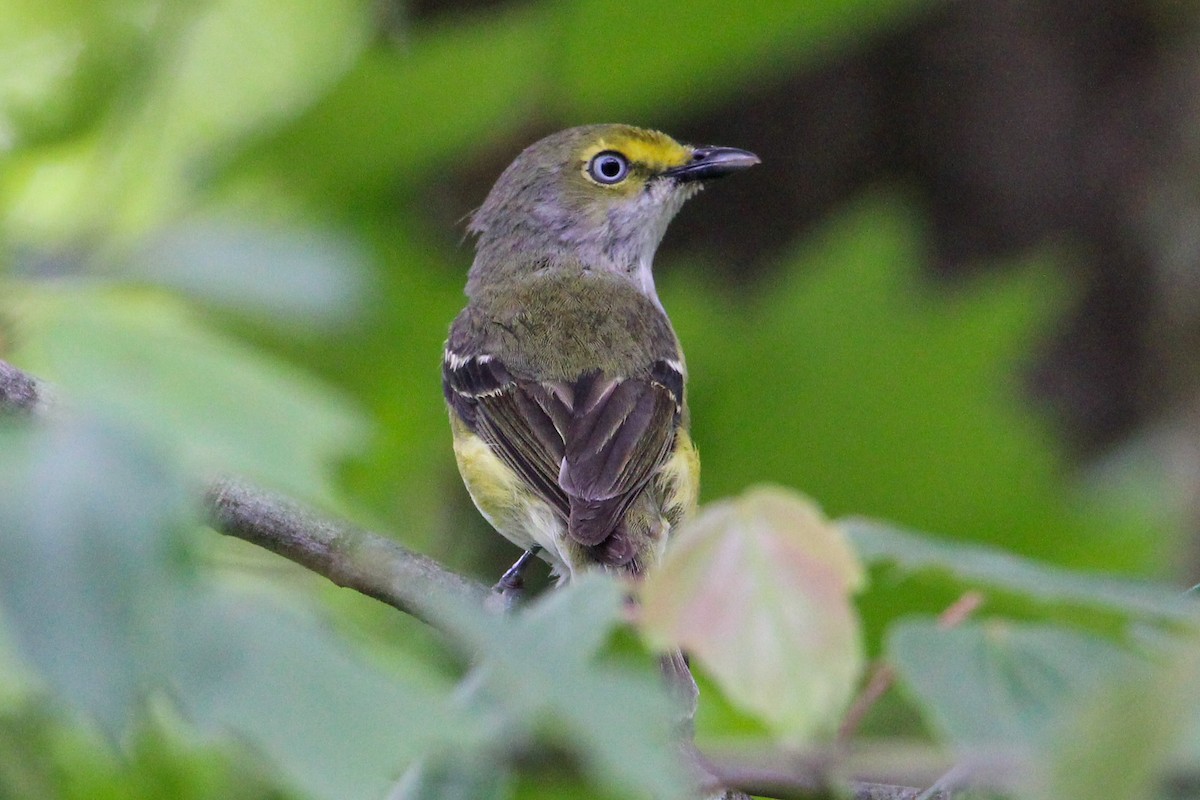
608,167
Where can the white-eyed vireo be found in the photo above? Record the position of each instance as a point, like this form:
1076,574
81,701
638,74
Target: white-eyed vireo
564,377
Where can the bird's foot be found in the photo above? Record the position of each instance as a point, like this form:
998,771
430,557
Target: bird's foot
510,589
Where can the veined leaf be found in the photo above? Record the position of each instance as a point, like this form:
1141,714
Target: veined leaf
999,683
757,590
880,543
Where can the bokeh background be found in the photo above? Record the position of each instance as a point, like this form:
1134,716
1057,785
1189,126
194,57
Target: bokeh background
961,293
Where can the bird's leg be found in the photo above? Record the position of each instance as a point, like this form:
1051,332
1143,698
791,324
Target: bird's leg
511,585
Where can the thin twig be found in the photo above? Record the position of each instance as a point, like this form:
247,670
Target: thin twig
883,675
881,680
960,610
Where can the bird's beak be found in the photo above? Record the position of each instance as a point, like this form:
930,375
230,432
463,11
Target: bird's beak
713,162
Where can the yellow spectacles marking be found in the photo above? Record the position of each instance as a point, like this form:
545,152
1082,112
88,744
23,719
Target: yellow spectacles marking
648,149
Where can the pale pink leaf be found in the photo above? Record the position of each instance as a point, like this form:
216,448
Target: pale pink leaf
757,590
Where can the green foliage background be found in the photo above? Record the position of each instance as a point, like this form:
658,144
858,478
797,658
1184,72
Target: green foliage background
215,238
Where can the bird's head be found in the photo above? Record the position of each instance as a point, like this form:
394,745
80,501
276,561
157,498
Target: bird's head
599,195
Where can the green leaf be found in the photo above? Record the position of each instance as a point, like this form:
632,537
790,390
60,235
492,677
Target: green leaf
58,62
881,543
335,726
94,588
449,89
540,668
1124,738
758,590
998,683
91,519
216,74
39,55
221,405
892,399
697,50
456,775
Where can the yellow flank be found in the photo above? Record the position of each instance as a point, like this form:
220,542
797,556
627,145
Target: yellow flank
502,497
679,479
524,519
651,149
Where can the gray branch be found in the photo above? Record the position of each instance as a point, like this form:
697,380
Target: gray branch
379,567
18,391
355,559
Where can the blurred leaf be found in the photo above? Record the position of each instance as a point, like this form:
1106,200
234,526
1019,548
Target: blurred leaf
1182,693
1123,738
26,769
639,58
38,57
998,683
43,756
336,727
449,89
233,68
456,776
243,63
540,666
92,583
299,277
758,590
223,406
221,72
58,62
453,87
891,397
86,564
879,542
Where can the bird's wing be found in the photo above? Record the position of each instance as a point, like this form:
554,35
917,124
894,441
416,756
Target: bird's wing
588,447
620,433
493,405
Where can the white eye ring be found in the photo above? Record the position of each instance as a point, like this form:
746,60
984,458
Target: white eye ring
608,167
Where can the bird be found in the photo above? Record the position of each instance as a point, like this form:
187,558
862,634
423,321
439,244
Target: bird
565,381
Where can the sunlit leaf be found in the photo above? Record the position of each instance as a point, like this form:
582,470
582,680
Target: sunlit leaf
881,543
757,590
220,72
234,67
60,63
223,406
40,52
999,683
